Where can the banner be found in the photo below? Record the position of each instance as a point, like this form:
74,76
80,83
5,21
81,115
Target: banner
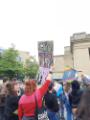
45,55
69,74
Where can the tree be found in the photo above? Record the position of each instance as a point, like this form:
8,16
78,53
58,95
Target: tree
31,68
9,65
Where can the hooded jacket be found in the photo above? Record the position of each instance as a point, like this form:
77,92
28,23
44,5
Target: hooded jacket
75,95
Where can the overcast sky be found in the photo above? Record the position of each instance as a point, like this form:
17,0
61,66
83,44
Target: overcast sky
24,22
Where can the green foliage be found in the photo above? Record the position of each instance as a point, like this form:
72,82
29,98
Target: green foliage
9,65
31,68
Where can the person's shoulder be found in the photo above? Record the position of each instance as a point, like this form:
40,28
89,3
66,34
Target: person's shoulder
11,98
53,96
80,92
22,98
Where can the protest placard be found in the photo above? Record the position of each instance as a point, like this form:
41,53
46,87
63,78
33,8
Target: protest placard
45,55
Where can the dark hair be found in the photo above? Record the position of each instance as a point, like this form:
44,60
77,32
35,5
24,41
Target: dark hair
51,86
84,107
10,88
14,79
5,79
75,85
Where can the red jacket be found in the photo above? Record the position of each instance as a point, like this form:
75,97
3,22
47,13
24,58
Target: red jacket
27,102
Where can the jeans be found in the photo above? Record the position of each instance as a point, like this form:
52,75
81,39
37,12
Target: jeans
28,118
52,115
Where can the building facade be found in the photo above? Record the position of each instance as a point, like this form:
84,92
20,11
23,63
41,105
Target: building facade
58,65
80,48
76,56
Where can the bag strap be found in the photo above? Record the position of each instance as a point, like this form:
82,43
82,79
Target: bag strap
36,110
36,101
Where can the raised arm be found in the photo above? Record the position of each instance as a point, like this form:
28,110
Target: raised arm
45,86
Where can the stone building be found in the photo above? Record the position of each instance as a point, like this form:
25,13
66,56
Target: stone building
80,48
58,65
77,55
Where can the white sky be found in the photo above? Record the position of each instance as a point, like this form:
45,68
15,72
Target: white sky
24,22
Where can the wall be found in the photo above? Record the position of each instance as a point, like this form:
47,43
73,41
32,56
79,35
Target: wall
81,57
58,65
68,59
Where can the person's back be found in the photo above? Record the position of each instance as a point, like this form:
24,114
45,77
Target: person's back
27,103
51,102
11,105
75,98
75,95
11,102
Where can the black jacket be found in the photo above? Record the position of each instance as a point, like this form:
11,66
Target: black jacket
51,102
75,97
11,104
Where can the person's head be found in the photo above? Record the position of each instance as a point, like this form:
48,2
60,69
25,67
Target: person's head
16,85
30,86
14,79
51,87
5,79
67,87
75,85
12,88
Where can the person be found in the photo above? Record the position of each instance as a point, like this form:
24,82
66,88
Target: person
2,104
27,103
11,101
65,98
65,107
51,102
60,92
83,112
75,96
85,81
21,88
3,94
3,89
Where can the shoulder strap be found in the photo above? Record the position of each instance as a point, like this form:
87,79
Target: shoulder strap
36,110
36,101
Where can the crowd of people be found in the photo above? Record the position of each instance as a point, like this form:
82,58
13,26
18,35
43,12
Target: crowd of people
19,101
